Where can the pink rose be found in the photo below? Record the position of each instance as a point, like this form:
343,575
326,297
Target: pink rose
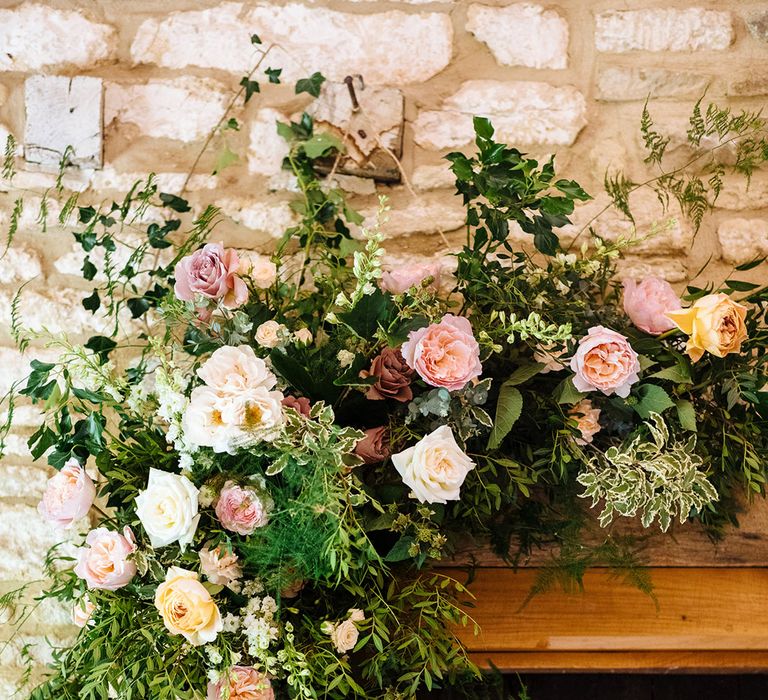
82,612
68,496
241,509
444,354
401,279
646,304
374,447
605,361
587,421
298,403
220,566
211,272
393,377
103,562
242,683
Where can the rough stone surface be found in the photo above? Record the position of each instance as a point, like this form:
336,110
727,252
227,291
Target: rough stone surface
185,109
426,214
381,46
749,83
522,112
691,29
738,194
742,239
271,219
540,36
671,269
266,148
757,23
432,177
619,83
63,112
70,38
22,480
19,265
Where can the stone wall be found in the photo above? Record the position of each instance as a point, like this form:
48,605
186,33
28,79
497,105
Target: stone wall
135,88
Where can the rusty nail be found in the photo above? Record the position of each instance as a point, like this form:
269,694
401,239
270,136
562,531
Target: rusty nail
362,134
349,80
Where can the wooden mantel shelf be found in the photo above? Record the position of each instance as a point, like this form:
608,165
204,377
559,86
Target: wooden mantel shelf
712,613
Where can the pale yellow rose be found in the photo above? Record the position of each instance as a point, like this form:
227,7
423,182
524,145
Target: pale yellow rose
187,608
714,324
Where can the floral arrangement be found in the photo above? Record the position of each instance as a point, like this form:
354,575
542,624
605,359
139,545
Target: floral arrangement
279,448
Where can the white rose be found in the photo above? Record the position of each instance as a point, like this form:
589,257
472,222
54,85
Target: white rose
435,467
270,333
233,369
168,509
262,271
344,636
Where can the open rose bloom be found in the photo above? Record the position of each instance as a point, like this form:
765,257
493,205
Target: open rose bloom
68,496
104,562
211,272
187,607
444,354
648,302
241,683
606,362
714,324
242,509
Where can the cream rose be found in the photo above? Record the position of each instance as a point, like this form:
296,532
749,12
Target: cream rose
303,336
168,509
187,608
435,467
714,324
261,270
344,636
270,334
82,611
232,369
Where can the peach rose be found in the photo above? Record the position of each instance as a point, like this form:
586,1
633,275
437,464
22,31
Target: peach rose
187,608
220,566
444,354
646,304
242,509
393,377
587,419
242,683
82,612
270,334
68,495
374,447
714,324
212,273
605,361
103,563
401,279
435,467
261,270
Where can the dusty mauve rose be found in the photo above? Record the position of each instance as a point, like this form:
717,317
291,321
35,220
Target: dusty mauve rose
374,447
605,361
219,566
241,509
587,419
444,354
646,304
242,683
393,377
212,272
402,278
714,324
68,495
103,563
298,403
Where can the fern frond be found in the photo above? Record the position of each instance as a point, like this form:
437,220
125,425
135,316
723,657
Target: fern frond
9,156
13,225
619,188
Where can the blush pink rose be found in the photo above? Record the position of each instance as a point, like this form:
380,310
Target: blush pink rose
68,495
444,354
242,683
241,509
103,562
646,304
211,272
605,361
401,279
220,566
298,403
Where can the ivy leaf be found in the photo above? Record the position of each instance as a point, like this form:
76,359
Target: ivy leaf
88,269
38,386
173,202
224,159
320,144
686,414
251,87
483,128
101,346
255,39
138,306
274,75
92,302
508,410
85,214
653,399
310,85
368,313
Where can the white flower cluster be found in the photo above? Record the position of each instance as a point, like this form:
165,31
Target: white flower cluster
259,625
172,404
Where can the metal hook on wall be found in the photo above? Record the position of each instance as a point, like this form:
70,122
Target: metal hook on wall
350,82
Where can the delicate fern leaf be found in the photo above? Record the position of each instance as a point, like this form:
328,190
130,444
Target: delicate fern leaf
13,226
17,328
68,208
698,128
655,142
619,188
42,214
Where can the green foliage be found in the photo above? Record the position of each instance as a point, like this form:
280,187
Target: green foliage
310,85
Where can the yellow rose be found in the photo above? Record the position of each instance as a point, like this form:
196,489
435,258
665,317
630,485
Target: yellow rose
187,608
715,324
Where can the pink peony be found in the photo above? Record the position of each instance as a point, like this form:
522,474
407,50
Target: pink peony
444,354
68,495
242,683
393,377
241,509
401,279
646,304
298,403
374,447
220,566
103,562
211,272
605,361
